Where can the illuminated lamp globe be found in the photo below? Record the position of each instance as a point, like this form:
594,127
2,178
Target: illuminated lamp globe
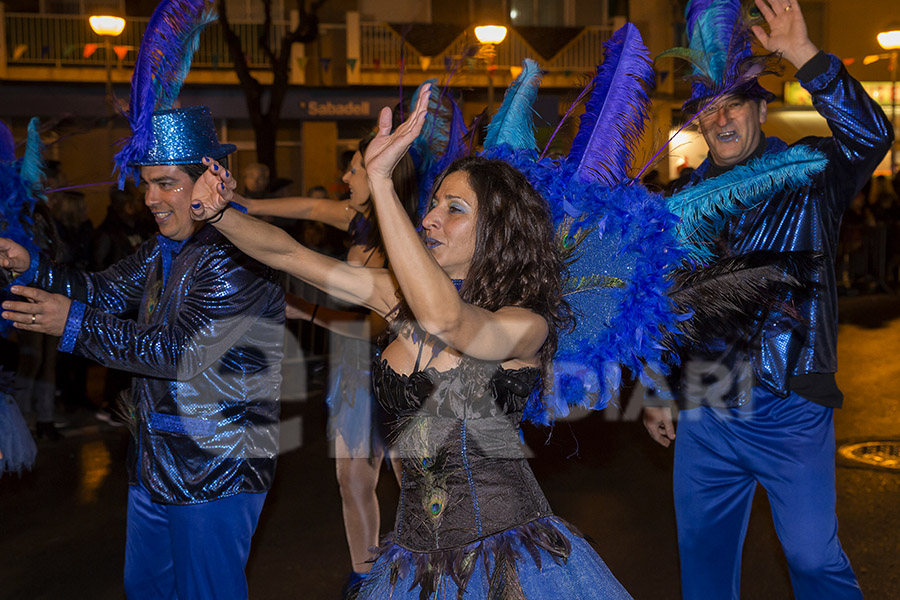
890,39
107,25
490,34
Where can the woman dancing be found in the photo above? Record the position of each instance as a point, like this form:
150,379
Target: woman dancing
475,323
353,423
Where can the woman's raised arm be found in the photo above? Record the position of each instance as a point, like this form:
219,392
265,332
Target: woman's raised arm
507,334
372,288
336,213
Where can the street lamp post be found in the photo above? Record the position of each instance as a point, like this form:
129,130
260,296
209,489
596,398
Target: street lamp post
489,36
107,27
890,40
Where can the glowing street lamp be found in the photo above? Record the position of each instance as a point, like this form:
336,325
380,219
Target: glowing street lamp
489,36
107,27
890,40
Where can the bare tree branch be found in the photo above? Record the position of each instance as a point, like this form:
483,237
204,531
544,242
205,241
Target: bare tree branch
265,123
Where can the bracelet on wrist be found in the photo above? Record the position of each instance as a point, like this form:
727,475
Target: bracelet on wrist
217,217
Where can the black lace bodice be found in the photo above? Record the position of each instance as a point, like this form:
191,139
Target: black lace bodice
465,476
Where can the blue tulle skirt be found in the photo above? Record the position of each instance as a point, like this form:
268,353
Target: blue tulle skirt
16,444
540,575
351,411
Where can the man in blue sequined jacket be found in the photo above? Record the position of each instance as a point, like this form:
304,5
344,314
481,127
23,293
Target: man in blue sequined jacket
763,414
205,350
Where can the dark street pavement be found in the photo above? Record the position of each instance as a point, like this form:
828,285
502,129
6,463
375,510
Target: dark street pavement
62,527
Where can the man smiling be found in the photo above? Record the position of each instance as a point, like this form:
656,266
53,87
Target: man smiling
773,425
205,351
731,128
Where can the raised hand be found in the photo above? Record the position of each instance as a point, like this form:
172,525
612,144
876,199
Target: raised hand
386,148
43,312
212,191
13,256
787,31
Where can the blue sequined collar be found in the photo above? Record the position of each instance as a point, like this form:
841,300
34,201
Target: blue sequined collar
168,248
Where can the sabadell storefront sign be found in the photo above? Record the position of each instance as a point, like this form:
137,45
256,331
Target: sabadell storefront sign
343,108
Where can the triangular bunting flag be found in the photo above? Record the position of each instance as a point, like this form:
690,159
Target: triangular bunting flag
89,49
515,71
19,51
301,62
351,62
326,63
425,62
448,63
121,51
45,51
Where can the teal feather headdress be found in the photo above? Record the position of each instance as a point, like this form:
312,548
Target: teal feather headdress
721,54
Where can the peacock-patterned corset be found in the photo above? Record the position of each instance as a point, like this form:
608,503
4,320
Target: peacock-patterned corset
465,476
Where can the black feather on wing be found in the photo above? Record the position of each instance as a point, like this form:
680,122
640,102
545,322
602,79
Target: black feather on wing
726,297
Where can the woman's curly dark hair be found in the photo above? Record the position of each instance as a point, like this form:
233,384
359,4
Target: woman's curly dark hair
517,261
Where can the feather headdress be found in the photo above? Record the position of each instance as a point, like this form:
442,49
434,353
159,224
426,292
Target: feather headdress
441,141
720,53
20,190
513,125
619,238
163,61
617,111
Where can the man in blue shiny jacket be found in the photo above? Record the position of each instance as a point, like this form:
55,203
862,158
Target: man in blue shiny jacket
771,422
205,351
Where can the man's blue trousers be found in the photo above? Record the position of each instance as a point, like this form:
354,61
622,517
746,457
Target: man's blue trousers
189,552
787,446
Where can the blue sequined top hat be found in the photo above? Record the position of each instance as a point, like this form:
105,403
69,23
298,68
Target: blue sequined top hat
183,136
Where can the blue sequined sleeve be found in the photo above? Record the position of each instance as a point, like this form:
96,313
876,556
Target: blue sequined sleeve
116,290
862,133
223,301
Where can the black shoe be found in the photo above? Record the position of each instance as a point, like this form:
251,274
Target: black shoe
47,429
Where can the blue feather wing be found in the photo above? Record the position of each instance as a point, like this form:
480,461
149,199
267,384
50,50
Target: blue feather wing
7,144
706,207
615,115
441,139
616,283
513,124
163,61
617,287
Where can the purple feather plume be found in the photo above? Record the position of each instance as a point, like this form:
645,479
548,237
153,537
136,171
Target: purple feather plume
7,144
163,61
615,115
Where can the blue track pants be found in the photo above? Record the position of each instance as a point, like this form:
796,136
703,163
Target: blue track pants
189,552
787,446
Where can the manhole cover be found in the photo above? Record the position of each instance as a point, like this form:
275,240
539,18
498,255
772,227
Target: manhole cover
875,454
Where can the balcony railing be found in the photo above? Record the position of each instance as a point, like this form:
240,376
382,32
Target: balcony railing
59,40
41,40
382,48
